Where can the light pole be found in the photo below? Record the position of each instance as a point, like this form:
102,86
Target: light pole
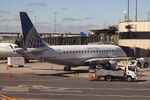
55,15
128,11
128,27
136,11
35,20
125,15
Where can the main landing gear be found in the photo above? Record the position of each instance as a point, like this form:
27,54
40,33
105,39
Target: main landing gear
67,68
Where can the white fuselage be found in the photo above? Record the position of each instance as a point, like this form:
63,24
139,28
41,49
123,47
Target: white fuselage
8,50
75,55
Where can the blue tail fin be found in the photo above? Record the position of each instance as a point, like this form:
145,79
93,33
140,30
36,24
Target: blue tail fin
31,37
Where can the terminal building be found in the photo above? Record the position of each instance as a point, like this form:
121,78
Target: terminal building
58,38
135,35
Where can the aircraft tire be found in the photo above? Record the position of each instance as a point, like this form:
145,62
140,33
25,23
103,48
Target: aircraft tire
146,65
67,68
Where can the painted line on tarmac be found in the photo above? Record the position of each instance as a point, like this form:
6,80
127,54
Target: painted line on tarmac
43,89
58,79
83,95
121,89
6,97
143,83
69,88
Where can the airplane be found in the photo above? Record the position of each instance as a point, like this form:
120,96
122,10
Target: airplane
8,50
68,55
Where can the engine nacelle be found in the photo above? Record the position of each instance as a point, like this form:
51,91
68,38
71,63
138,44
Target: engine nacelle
110,65
113,63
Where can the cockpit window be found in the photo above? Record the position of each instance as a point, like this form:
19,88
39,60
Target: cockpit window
132,68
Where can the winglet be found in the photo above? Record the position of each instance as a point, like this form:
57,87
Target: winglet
31,37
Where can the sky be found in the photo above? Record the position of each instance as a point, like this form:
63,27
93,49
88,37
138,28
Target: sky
69,15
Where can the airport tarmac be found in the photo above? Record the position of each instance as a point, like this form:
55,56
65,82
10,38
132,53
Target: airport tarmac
43,81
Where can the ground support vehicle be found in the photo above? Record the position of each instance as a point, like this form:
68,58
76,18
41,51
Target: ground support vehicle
15,62
143,62
129,73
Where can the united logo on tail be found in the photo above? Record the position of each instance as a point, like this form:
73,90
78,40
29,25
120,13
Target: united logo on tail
31,37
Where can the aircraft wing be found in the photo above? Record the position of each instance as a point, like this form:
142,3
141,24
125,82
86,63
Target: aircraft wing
103,60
